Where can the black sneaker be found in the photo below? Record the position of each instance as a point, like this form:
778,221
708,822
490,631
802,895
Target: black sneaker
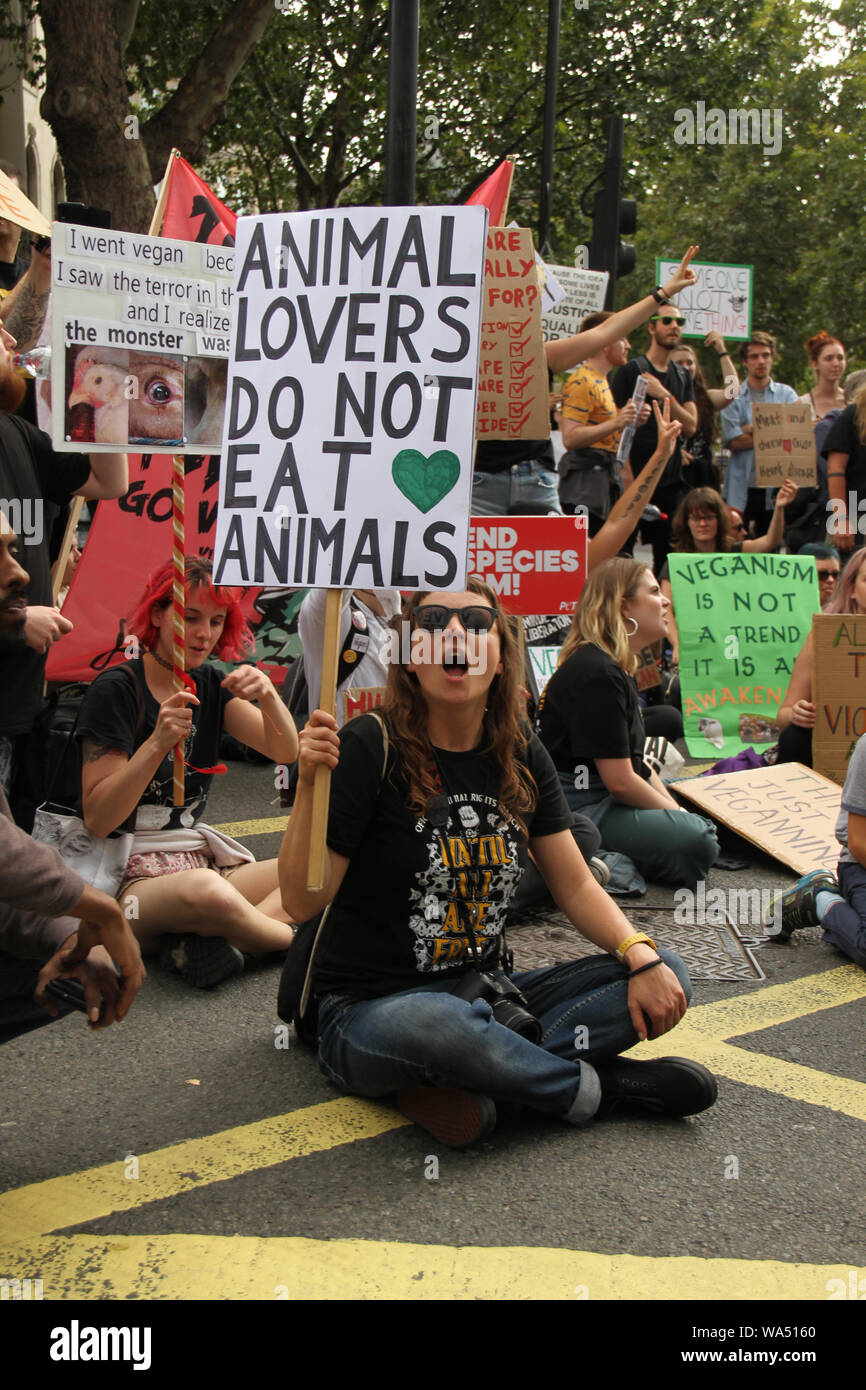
795,908
203,961
669,1086
456,1118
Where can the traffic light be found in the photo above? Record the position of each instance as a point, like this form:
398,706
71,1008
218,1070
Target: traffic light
612,217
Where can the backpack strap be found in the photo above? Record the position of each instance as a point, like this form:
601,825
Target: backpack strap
308,979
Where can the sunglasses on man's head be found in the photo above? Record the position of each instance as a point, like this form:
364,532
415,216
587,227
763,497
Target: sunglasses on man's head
668,319
435,617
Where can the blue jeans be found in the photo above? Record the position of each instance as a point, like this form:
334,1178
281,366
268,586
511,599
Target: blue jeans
495,494
845,924
373,1047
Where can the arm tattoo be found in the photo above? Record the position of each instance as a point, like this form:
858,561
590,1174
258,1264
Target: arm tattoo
93,751
27,317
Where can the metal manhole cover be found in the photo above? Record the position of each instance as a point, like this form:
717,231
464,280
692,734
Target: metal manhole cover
710,952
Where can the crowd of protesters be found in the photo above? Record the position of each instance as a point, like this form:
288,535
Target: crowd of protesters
440,802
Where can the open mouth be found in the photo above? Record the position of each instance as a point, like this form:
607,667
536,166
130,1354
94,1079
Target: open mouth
455,665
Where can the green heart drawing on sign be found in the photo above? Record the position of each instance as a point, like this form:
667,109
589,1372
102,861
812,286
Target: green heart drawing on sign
425,481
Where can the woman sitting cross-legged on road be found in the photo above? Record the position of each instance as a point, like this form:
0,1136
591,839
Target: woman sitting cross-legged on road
591,724
427,838
201,892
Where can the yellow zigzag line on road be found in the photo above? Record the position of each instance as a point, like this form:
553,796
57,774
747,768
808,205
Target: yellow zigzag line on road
96,1192
253,1267
704,1032
242,829
179,1266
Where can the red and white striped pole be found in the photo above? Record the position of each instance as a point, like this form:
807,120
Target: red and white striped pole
178,608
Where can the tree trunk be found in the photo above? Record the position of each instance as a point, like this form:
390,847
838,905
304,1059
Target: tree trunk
200,98
86,103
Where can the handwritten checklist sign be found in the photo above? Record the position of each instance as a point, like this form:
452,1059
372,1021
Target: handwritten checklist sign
512,382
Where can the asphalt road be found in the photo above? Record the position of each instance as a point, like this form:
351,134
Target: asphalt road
760,1198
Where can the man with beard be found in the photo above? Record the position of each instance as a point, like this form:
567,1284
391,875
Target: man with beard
665,382
36,886
36,483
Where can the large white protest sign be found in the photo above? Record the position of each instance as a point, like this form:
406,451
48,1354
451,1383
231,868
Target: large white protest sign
720,300
140,336
350,426
584,294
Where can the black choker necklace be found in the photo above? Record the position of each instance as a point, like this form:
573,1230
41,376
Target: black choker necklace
156,656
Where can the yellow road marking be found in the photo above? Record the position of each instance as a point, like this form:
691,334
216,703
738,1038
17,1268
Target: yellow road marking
96,1192
704,1033
237,1267
241,829
251,1267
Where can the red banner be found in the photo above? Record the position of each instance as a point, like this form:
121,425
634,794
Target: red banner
127,541
536,564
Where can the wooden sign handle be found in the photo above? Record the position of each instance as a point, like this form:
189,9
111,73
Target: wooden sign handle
327,702
66,545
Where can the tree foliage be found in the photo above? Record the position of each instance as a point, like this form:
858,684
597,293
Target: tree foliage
282,104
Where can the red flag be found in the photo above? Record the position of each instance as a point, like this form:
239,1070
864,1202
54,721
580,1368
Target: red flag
493,193
193,212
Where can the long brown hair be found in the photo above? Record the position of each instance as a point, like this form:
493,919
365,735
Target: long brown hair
860,413
701,499
706,409
505,734
598,616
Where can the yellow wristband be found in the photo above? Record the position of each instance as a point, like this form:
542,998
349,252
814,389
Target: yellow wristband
632,941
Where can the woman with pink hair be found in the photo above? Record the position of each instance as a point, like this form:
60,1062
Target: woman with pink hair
197,895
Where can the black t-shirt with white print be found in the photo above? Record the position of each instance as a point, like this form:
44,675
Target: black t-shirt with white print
110,716
591,710
400,917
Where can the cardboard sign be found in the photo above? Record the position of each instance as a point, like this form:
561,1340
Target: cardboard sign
361,700
784,444
838,690
584,294
536,564
647,674
720,299
788,811
15,207
349,439
140,337
512,385
741,619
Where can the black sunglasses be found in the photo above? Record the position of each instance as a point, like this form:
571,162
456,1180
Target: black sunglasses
435,617
828,574
668,318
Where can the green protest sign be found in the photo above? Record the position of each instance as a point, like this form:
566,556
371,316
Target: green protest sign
742,619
